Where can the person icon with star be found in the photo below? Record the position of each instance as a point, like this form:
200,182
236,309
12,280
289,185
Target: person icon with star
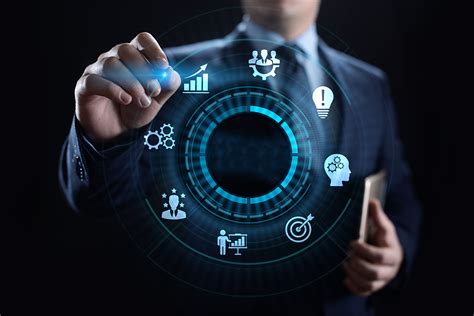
173,213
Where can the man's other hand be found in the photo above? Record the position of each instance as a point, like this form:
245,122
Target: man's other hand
372,265
121,91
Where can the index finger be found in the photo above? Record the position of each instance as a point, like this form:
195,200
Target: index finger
149,47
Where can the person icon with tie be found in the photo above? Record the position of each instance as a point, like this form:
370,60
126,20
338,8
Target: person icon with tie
173,213
264,61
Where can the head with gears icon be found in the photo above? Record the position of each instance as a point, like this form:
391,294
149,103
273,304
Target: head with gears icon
337,169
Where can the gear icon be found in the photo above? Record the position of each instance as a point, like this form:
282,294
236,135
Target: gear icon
168,143
264,76
147,142
170,130
337,159
332,167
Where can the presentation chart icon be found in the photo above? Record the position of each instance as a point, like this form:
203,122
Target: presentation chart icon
298,228
198,82
238,241
235,241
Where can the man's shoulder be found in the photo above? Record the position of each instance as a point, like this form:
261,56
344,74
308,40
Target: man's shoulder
353,66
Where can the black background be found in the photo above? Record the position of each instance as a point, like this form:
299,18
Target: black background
58,262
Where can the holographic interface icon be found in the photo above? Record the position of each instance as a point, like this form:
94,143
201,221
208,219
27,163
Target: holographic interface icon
337,169
199,84
298,228
261,66
322,98
155,139
171,206
232,241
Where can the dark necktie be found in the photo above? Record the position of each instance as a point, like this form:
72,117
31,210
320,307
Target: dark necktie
292,80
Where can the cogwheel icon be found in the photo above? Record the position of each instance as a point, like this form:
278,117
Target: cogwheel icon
147,143
264,76
337,159
168,142
332,167
340,165
166,130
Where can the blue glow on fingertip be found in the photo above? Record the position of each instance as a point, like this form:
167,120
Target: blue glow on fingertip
162,75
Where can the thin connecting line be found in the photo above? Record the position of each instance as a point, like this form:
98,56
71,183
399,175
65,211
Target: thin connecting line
164,238
330,238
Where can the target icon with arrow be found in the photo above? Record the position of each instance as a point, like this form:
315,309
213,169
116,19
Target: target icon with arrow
298,228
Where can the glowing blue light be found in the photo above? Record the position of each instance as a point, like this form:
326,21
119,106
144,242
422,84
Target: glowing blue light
271,115
161,74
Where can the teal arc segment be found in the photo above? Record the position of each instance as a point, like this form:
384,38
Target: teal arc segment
231,197
266,197
266,112
274,117
205,138
206,173
291,172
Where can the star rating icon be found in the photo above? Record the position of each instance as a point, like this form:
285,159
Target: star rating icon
183,195
163,195
173,190
165,205
181,204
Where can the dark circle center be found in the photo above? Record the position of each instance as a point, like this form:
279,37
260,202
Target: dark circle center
248,155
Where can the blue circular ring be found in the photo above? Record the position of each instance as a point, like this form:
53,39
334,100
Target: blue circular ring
282,124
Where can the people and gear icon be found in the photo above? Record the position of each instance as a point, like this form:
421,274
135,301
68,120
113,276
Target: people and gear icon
337,169
259,64
171,206
298,228
155,139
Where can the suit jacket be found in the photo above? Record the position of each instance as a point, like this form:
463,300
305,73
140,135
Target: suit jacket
82,163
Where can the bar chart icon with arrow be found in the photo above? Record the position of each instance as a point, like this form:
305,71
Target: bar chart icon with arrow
198,82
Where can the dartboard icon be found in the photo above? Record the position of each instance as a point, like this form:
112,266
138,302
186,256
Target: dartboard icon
298,228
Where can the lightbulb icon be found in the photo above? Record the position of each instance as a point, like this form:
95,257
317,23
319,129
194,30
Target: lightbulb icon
322,98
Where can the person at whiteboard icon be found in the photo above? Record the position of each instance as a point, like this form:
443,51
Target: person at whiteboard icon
222,241
173,213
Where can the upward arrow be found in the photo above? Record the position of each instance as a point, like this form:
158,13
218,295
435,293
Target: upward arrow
201,69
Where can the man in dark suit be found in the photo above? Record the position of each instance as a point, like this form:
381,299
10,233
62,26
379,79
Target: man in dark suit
116,97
